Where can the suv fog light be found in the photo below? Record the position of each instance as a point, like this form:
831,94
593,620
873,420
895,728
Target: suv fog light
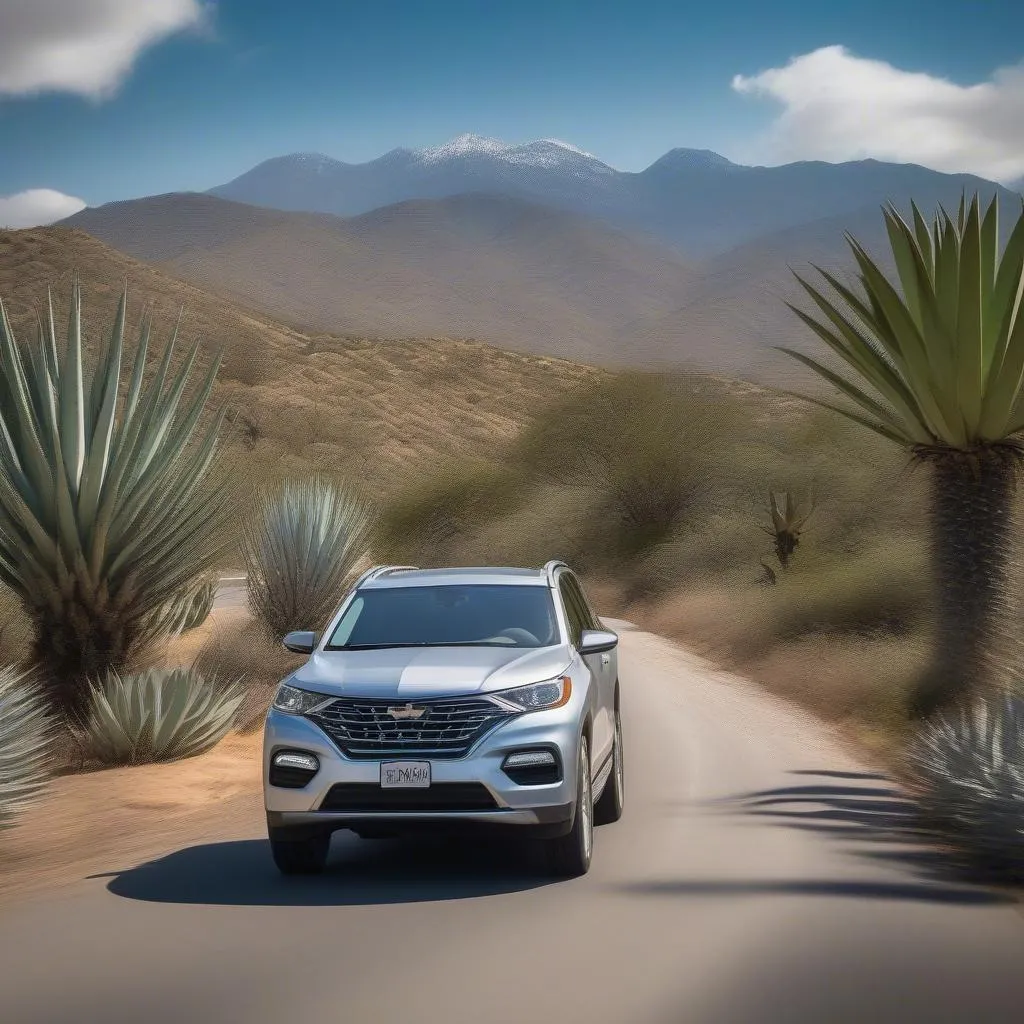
532,768
292,769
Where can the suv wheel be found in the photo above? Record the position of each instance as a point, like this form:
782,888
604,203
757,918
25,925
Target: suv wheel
305,856
569,855
609,807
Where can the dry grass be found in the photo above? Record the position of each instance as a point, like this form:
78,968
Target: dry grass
301,401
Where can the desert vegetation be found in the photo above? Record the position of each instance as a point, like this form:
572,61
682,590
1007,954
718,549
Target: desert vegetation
857,557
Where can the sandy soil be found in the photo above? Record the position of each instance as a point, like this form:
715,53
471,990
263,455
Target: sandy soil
100,820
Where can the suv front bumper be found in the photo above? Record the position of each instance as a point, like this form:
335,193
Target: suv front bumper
547,808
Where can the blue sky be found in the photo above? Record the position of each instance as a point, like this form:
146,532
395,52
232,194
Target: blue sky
208,97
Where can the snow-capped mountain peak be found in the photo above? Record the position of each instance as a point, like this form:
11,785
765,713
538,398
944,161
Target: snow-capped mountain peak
546,153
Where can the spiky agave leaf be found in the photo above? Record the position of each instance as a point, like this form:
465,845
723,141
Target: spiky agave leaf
968,770
159,715
25,744
300,548
106,509
190,608
937,360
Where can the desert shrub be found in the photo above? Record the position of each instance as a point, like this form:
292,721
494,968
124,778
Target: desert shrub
158,715
648,444
301,547
967,769
25,744
883,590
436,514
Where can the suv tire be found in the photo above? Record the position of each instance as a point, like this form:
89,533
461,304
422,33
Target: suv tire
569,856
306,856
609,807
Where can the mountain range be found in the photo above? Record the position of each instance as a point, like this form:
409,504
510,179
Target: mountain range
538,248
694,200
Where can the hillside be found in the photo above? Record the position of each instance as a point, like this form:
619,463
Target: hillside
735,305
508,272
376,409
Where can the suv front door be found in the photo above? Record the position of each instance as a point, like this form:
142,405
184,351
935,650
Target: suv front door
601,666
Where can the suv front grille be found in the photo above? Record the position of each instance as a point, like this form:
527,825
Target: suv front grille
441,796
447,728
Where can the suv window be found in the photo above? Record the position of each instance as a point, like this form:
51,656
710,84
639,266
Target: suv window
575,608
448,615
593,622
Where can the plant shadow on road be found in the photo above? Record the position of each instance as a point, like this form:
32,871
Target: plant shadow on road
876,820
359,873
869,814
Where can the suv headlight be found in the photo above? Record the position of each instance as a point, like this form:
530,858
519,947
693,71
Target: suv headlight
552,693
297,702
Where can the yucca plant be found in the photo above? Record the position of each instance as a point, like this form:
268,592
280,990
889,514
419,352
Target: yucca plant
106,509
302,545
936,364
25,744
159,715
788,520
967,770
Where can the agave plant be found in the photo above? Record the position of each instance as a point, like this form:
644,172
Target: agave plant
302,545
106,512
936,364
159,715
788,521
967,767
25,742
191,608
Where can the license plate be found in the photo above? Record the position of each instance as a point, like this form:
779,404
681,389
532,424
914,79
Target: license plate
405,775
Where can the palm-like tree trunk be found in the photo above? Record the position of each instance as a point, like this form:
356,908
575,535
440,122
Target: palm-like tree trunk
971,538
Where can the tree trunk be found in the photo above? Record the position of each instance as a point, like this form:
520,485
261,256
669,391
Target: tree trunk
74,650
971,540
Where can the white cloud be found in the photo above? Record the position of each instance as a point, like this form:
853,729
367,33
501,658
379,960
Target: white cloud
86,47
837,106
36,206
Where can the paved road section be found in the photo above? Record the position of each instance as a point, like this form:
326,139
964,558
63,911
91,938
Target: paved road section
758,875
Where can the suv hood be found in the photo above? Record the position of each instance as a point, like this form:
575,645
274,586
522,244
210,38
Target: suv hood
412,672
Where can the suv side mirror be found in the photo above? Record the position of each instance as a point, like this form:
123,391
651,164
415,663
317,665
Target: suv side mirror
595,641
300,642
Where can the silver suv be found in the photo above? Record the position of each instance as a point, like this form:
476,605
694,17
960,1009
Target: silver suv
448,699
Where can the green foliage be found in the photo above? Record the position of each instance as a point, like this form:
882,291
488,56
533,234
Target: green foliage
25,744
300,548
159,715
943,363
105,512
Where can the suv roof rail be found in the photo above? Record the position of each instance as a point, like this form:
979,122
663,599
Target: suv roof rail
552,567
382,570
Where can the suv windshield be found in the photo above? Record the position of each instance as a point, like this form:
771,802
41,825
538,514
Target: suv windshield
448,616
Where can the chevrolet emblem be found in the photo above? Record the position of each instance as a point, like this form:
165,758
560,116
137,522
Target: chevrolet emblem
407,712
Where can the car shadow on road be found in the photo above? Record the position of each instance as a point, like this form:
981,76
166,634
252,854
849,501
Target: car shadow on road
873,817
359,873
